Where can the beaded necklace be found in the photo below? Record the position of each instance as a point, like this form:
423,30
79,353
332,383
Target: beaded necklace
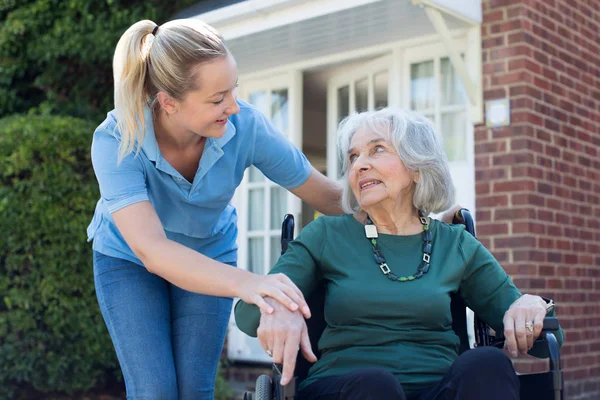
371,234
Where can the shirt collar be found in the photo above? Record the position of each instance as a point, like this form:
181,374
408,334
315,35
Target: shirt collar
150,146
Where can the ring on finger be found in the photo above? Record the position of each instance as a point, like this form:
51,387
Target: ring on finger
529,326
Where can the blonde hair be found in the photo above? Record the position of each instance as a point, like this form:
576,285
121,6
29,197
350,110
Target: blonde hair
419,148
145,63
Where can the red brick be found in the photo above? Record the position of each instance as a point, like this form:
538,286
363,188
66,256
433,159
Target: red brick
552,215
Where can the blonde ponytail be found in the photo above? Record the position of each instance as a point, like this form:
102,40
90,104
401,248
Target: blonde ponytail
145,64
130,69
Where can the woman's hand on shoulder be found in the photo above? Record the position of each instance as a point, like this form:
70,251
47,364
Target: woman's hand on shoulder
276,286
448,215
523,323
282,334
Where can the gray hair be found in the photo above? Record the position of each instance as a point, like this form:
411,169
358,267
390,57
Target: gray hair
419,148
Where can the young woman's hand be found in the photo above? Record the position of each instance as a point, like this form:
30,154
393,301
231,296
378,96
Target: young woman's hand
281,334
276,286
523,323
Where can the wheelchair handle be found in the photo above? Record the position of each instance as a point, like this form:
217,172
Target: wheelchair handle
463,216
287,232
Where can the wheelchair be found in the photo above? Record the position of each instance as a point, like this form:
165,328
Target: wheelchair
537,386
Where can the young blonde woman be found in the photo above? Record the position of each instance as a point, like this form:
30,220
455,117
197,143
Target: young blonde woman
168,160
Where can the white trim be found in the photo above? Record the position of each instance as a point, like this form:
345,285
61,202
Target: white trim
342,57
459,65
254,16
349,78
469,70
463,168
242,347
473,59
459,11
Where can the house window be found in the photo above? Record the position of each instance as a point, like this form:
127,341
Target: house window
267,202
436,92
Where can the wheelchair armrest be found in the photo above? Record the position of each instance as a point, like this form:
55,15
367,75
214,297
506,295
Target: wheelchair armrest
547,336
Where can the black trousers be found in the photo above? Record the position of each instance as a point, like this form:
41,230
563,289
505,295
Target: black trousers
482,373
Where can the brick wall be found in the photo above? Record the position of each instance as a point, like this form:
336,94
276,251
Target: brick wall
538,180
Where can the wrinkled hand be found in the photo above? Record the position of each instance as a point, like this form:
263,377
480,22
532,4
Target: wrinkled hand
526,309
277,286
282,333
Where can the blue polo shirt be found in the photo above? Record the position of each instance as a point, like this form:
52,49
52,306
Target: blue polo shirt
198,215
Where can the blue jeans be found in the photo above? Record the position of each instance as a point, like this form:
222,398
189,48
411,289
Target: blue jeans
168,340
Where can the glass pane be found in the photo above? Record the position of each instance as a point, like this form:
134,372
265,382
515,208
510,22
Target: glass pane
275,250
256,255
454,132
256,209
259,100
254,174
343,102
422,86
279,109
362,95
278,206
380,82
450,87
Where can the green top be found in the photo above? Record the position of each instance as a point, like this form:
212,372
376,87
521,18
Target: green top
372,321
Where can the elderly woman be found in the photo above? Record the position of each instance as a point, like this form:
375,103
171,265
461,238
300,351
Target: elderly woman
389,271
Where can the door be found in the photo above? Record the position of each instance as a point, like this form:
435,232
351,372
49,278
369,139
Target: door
262,204
362,88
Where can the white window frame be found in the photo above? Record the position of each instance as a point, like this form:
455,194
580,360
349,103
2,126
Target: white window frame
241,347
349,78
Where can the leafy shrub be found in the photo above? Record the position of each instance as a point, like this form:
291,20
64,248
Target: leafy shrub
56,55
52,337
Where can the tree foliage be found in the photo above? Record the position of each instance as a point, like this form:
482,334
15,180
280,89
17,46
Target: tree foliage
56,55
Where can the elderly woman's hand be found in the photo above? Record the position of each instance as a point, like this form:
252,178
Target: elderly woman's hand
281,334
523,323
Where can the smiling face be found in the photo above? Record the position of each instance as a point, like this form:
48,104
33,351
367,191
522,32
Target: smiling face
204,111
376,174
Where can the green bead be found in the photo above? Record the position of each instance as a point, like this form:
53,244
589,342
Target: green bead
410,278
374,242
425,227
402,279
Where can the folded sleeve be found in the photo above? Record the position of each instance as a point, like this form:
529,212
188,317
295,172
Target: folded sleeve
277,157
121,184
300,263
488,290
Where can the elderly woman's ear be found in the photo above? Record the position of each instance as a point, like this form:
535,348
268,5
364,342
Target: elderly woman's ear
416,177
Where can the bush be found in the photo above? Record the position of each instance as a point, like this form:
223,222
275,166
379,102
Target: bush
52,336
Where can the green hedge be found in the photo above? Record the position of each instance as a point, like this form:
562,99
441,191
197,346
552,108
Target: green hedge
52,337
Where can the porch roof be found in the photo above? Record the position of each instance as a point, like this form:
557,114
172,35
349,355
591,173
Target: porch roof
264,34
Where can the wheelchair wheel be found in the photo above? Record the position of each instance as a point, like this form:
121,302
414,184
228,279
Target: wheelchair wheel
264,388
